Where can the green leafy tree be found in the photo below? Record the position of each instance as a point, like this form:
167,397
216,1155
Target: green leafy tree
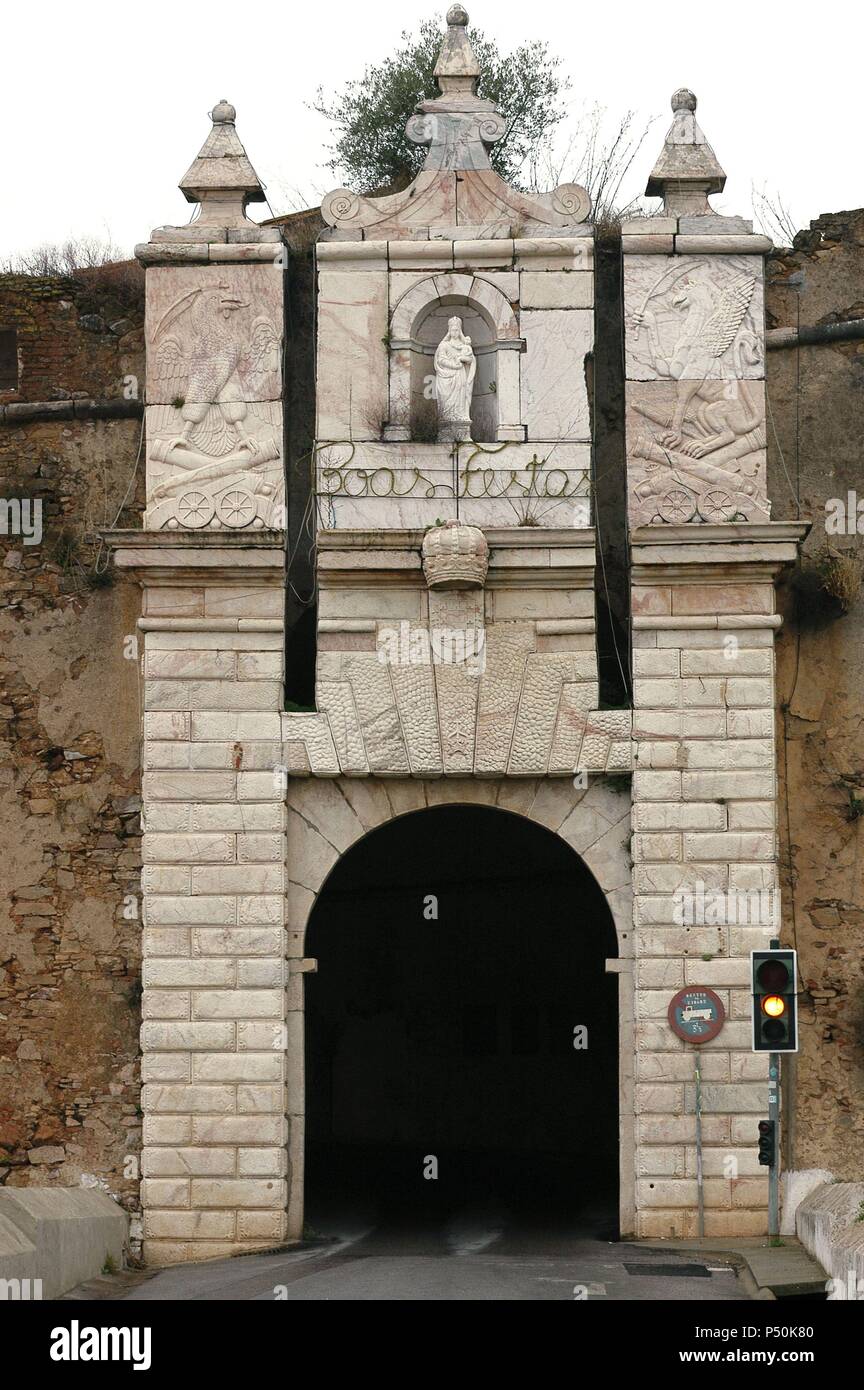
371,151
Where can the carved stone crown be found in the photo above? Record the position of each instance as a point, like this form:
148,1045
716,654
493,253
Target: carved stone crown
455,556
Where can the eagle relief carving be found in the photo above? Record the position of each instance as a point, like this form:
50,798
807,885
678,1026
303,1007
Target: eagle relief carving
698,319
214,440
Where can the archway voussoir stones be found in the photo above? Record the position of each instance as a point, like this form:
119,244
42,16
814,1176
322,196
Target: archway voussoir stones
404,794
609,858
323,804
574,816
368,799
554,800
467,791
517,794
452,288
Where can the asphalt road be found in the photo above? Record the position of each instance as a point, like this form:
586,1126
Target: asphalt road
478,1256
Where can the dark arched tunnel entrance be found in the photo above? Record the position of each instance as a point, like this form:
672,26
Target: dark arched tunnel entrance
461,1029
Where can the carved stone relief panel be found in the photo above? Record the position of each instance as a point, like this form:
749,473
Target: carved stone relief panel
207,325
214,385
225,471
456,695
696,451
694,318
368,485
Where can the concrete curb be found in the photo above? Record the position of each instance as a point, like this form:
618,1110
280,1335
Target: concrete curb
59,1236
765,1271
830,1226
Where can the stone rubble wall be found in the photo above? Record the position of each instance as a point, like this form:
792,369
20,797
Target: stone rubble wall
818,414
70,927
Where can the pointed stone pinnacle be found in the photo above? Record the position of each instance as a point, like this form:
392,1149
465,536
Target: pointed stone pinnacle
222,166
457,68
687,170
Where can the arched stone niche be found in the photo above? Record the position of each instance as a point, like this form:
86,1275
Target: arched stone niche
417,325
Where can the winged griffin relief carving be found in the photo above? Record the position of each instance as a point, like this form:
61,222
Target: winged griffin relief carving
214,437
698,318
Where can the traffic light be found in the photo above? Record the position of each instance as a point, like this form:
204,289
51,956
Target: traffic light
767,1143
775,1016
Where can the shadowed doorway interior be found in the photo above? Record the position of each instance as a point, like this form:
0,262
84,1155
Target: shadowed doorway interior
459,951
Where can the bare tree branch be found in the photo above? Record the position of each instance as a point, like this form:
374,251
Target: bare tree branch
599,155
773,216
64,258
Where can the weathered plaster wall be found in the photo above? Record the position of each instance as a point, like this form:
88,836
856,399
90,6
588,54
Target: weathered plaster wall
69,756
816,394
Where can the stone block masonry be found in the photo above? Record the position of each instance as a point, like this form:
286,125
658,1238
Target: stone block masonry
213,1036
231,862
705,872
704,563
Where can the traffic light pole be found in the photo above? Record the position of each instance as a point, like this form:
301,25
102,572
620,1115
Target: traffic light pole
774,1170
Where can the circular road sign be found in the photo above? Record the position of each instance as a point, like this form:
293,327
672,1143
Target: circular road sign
696,1014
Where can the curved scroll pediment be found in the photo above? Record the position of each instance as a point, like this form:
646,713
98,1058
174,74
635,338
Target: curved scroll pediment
441,199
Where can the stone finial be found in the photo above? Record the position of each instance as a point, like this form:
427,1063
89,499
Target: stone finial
683,100
222,179
457,69
687,170
458,126
455,556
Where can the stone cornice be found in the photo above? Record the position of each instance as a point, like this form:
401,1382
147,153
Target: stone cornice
711,553
499,538
158,557
530,557
166,252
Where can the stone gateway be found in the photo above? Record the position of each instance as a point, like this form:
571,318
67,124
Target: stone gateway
456,682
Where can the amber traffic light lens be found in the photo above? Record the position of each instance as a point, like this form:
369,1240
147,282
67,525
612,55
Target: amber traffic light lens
773,1006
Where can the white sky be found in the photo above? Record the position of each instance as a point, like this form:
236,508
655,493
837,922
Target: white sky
105,106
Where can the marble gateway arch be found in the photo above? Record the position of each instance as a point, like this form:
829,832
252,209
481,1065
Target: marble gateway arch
248,805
